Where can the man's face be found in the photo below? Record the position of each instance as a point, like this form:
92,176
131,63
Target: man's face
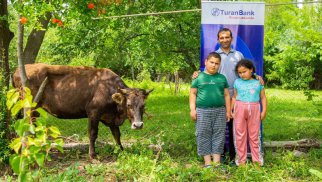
212,65
225,39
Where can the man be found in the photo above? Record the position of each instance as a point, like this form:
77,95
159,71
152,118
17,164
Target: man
229,57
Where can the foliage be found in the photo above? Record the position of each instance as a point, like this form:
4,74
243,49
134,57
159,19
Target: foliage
34,139
157,44
69,174
169,43
293,46
4,142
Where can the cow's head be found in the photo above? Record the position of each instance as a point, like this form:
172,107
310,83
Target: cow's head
131,101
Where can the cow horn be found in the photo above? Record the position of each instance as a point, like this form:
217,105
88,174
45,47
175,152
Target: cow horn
123,91
148,91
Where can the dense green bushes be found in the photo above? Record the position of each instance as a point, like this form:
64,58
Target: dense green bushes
4,141
293,46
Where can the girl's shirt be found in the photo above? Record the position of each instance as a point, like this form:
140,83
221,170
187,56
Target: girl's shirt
248,90
210,90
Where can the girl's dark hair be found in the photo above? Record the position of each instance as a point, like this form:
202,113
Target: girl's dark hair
247,64
214,55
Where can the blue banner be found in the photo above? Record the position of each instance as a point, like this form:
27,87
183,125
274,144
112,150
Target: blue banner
244,19
246,22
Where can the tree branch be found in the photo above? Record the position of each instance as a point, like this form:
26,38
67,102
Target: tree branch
35,40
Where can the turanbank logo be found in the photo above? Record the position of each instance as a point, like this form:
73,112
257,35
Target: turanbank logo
233,14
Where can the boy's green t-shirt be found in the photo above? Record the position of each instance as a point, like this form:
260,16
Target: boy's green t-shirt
210,90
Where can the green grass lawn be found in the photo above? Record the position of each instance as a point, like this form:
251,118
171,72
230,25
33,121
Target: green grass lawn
290,117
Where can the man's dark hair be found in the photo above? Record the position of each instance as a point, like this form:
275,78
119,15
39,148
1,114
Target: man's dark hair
225,30
213,55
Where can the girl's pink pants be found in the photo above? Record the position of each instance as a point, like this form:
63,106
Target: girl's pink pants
247,128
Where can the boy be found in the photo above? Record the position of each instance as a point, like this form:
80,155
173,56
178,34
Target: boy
210,107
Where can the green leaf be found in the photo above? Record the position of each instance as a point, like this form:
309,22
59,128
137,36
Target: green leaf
54,135
40,159
15,163
16,144
32,128
60,148
31,141
59,142
48,158
40,122
12,99
23,176
10,93
16,108
34,104
55,130
21,126
42,112
34,149
40,127
27,102
316,173
27,91
9,103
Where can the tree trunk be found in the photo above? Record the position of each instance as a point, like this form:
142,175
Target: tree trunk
176,82
5,38
35,40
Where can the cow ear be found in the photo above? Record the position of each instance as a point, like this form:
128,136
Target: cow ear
118,98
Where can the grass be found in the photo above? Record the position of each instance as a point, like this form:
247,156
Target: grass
290,117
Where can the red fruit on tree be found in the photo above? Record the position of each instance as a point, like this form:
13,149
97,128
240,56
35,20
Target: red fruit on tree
60,23
54,20
23,20
90,6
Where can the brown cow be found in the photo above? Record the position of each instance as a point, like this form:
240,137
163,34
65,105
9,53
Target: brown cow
87,92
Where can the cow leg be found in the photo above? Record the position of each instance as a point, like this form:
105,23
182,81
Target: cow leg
92,131
117,135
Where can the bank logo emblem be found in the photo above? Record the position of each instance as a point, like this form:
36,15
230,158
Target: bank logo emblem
215,11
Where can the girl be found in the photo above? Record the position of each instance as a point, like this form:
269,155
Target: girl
247,116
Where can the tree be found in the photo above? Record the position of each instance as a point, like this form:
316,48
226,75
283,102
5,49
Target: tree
5,38
130,43
293,46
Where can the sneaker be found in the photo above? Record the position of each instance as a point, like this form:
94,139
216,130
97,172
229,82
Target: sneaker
233,164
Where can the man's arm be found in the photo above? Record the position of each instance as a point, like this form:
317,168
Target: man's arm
260,79
195,74
264,104
192,103
233,101
227,103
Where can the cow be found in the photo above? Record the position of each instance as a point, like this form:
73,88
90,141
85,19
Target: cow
74,92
